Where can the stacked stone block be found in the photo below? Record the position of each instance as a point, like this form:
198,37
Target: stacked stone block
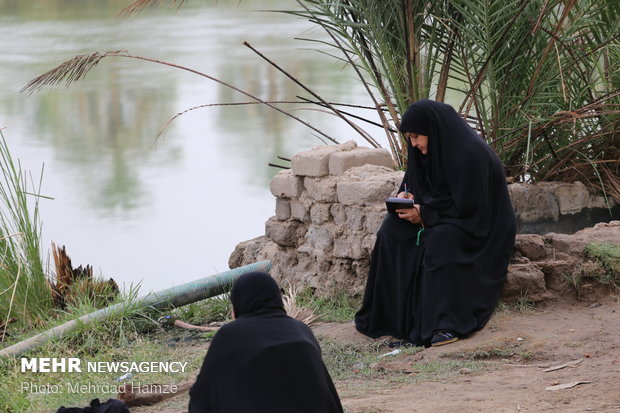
329,205
328,208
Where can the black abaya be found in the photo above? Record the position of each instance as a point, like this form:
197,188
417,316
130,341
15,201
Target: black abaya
452,280
263,361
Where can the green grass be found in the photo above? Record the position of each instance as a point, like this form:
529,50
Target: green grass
522,305
24,291
209,310
132,335
338,307
601,265
99,384
607,255
505,350
359,366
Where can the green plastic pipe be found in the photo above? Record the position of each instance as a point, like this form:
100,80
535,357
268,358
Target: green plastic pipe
178,296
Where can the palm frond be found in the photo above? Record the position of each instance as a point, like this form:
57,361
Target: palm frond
140,5
302,314
70,71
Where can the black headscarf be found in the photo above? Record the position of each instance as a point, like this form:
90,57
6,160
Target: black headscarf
255,292
263,361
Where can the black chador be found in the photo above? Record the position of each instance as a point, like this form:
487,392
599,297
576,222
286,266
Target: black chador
445,274
264,360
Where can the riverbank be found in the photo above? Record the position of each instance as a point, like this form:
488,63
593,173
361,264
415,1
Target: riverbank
503,368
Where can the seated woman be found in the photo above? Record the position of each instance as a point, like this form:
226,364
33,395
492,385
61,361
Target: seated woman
437,269
263,361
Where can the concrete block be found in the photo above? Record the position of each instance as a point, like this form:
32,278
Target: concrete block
286,185
353,246
319,238
339,162
600,202
572,198
283,209
367,185
319,213
284,233
299,211
356,218
374,218
321,189
337,211
533,203
315,162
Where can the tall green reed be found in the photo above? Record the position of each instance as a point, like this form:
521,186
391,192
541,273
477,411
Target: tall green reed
24,288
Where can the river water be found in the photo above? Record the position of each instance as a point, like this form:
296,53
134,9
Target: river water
159,212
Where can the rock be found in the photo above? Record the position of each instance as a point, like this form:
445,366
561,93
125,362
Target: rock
319,238
330,205
286,185
531,246
315,162
374,218
557,273
283,209
533,203
342,161
354,245
571,198
321,189
299,211
368,184
284,233
319,213
525,280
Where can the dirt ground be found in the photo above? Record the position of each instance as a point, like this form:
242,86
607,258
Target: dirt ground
585,333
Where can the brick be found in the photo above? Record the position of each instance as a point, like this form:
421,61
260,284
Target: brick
315,162
284,233
319,213
286,185
321,189
340,162
283,209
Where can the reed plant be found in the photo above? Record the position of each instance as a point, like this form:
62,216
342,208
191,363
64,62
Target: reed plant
25,295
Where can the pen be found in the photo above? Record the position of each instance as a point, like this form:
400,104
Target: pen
406,189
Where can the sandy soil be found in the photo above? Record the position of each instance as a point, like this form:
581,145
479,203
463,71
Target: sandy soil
587,333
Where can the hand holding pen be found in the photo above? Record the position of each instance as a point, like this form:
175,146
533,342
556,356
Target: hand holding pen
406,194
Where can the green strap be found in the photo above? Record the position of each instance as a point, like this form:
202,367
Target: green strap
417,242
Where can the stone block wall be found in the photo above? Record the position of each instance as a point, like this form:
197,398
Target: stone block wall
329,205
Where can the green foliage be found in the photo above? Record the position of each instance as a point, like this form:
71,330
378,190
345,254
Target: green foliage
337,307
607,255
24,290
601,265
504,350
144,348
212,309
537,78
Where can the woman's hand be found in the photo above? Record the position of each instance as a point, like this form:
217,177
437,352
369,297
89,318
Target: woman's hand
410,214
406,195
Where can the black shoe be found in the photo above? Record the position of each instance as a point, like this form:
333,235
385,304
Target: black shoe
443,337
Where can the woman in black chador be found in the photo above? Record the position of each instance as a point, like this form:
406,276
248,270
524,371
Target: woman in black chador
263,361
437,269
